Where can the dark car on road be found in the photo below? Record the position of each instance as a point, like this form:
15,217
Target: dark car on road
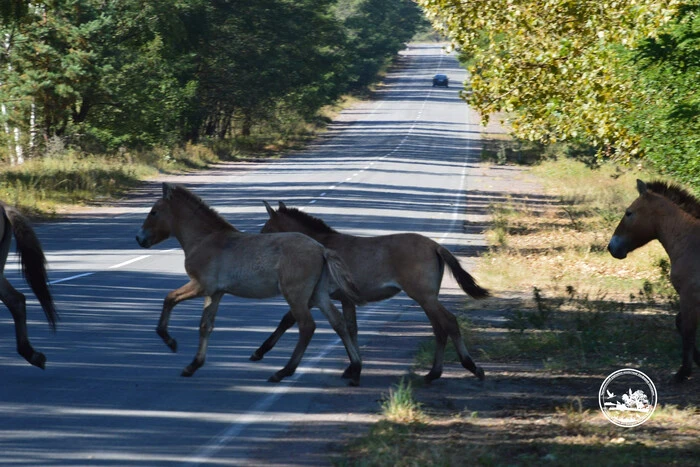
440,80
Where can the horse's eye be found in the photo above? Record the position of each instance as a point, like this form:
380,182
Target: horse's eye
153,213
628,213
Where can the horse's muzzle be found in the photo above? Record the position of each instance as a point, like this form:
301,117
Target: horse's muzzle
617,247
142,239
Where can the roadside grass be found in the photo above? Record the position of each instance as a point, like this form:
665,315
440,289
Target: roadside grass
65,177
569,312
62,177
557,438
400,405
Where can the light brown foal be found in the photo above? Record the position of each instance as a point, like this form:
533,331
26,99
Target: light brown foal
220,259
382,267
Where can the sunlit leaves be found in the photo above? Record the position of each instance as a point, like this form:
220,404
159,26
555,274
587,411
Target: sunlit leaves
553,65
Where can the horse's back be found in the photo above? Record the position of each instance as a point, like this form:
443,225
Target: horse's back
253,265
383,265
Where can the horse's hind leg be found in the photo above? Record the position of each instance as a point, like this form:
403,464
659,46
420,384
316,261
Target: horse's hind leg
337,322
286,323
445,325
350,316
206,326
187,291
307,327
16,303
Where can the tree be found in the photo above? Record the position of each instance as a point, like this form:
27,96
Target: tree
554,66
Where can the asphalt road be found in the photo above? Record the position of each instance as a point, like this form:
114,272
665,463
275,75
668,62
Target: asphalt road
111,393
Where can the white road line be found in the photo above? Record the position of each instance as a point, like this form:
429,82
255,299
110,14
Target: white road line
133,260
114,266
66,279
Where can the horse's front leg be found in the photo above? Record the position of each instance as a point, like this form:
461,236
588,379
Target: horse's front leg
687,325
206,326
187,291
350,315
16,303
286,323
696,353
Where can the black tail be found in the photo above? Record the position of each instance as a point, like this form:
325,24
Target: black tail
33,262
463,278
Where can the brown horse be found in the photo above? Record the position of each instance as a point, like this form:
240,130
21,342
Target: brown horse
671,215
220,259
34,269
383,266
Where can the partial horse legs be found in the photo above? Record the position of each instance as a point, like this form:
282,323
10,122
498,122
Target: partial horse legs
302,316
443,322
15,302
307,327
186,292
687,324
445,325
206,326
286,323
349,315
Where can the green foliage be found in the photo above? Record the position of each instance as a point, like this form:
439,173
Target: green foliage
622,77
552,65
667,102
106,74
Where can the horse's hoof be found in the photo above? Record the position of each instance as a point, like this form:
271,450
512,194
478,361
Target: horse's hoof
187,372
354,382
347,374
480,373
432,376
274,379
256,356
38,360
679,378
172,343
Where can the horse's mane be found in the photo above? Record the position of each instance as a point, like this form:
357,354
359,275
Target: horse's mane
313,223
182,194
679,196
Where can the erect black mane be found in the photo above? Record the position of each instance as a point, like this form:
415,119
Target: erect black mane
210,213
679,196
313,223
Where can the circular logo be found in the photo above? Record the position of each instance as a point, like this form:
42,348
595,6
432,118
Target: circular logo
627,397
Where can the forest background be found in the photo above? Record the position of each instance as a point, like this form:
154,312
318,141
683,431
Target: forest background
87,87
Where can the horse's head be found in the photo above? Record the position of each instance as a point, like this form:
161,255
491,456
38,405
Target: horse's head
157,225
274,223
637,227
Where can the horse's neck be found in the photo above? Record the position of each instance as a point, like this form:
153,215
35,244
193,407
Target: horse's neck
192,225
320,237
675,227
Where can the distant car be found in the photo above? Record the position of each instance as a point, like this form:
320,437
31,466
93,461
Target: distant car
440,80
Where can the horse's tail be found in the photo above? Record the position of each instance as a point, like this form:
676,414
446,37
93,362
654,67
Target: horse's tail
463,278
340,275
33,262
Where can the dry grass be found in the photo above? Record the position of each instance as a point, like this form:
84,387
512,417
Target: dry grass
564,242
572,315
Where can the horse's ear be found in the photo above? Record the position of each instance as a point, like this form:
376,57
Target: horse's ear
270,211
282,206
168,190
641,187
